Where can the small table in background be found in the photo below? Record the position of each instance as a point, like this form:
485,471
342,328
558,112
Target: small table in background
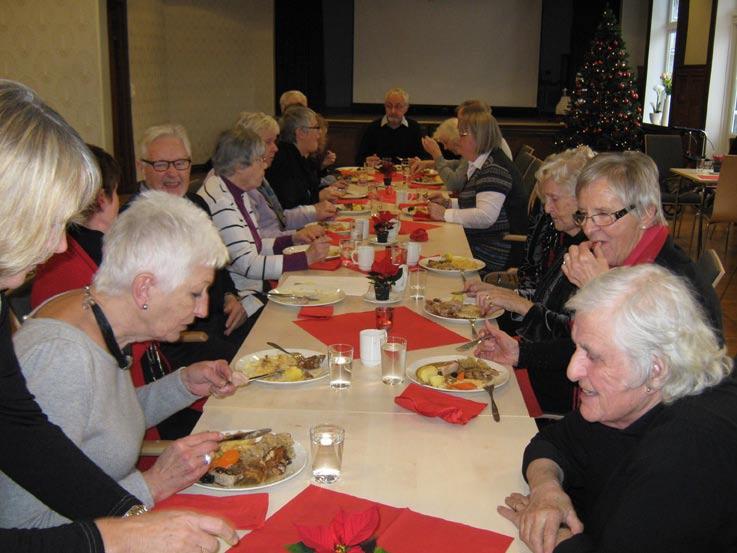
707,181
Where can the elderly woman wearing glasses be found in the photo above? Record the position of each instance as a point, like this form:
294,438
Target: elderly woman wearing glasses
647,463
492,201
620,213
294,175
238,164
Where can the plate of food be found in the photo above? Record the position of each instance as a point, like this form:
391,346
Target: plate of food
306,294
356,208
416,210
348,171
333,251
428,180
457,373
428,172
338,227
448,263
458,310
355,191
255,464
302,365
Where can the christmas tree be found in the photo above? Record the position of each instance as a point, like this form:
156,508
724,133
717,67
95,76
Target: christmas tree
605,112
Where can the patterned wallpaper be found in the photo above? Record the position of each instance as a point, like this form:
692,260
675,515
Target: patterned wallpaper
56,47
199,63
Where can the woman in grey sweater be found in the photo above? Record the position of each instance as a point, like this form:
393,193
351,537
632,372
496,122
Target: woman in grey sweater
72,353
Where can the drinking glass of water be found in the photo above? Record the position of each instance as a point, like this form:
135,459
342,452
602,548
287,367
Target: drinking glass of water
393,360
340,361
327,452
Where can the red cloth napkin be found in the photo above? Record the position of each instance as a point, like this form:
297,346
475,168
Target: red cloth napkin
242,511
408,227
316,312
327,265
419,235
433,403
709,177
378,256
420,332
351,201
400,530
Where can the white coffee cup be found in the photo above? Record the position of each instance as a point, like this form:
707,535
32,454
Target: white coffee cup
364,257
401,283
413,253
371,341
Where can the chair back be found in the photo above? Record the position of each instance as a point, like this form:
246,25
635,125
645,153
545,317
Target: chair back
666,151
710,267
725,198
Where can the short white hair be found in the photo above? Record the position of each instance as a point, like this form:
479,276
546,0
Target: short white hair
161,234
447,131
292,98
157,131
397,92
257,121
565,167
654,316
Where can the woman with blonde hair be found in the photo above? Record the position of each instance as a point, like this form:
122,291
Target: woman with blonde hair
47,175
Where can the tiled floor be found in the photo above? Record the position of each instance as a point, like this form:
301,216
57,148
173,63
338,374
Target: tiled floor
727,288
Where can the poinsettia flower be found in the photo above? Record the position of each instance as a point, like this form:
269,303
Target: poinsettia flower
343,535
384,267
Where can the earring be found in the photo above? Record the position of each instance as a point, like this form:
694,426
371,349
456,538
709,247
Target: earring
648,389
145,307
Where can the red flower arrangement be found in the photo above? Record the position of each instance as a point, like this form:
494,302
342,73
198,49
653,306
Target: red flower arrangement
384,221
347,533
383,274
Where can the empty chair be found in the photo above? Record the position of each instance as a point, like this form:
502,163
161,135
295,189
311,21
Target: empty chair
710,267
667,153
724,209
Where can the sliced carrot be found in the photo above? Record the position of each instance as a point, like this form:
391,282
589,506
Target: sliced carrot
461,375
228,458
463,386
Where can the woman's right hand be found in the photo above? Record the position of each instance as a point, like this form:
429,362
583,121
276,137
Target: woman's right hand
431,146
497,346
541,518
165,531
181,464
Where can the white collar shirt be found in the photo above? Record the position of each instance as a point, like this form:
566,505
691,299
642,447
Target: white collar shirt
385,121
477,163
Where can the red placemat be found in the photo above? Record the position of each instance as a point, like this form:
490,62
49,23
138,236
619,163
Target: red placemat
328,264
709,177
351,201
433,403
420,332
408,227
244,511
400,530
316,312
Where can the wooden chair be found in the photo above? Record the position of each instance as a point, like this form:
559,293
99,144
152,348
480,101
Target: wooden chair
710,267
724,209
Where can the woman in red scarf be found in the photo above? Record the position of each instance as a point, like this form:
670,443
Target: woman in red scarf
619,210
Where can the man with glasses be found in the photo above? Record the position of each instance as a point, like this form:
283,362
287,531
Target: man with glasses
394,135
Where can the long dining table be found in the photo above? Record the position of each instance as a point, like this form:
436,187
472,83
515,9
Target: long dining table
391,455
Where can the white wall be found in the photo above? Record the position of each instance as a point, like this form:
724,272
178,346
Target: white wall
722,77
199,63
60,50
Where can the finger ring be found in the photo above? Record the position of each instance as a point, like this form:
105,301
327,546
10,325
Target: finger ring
208,459
564,262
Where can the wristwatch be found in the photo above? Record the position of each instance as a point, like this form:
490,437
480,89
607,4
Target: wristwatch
135,511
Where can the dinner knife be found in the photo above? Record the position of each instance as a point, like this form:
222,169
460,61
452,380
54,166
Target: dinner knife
471,344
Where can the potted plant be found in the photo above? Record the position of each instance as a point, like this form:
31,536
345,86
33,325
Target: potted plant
657,106
383,274
383,223
666,79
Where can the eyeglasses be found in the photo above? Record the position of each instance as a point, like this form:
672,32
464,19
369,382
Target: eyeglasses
463,133
161,165
601,219
313,128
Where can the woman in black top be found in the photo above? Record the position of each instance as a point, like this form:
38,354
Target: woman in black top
46,176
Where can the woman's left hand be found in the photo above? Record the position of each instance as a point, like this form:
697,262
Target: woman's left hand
212,378
235,313
488,299
436,211
583,263
331,193
329,159
516,505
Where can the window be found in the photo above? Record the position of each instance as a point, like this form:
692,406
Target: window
671,28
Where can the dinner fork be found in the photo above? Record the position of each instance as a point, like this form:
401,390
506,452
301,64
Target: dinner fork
474,332
494,409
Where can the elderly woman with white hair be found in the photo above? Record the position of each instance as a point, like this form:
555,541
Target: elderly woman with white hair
647,463
620,213
273,219
46,176
492,201
72,353
293,173
238,164
539,313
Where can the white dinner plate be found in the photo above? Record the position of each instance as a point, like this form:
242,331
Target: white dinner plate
492,315
325,296
500,380
477,264
429,181
258,355
295,467
333,252
394,297
375,242
347,170
409,211
355,192
337,227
